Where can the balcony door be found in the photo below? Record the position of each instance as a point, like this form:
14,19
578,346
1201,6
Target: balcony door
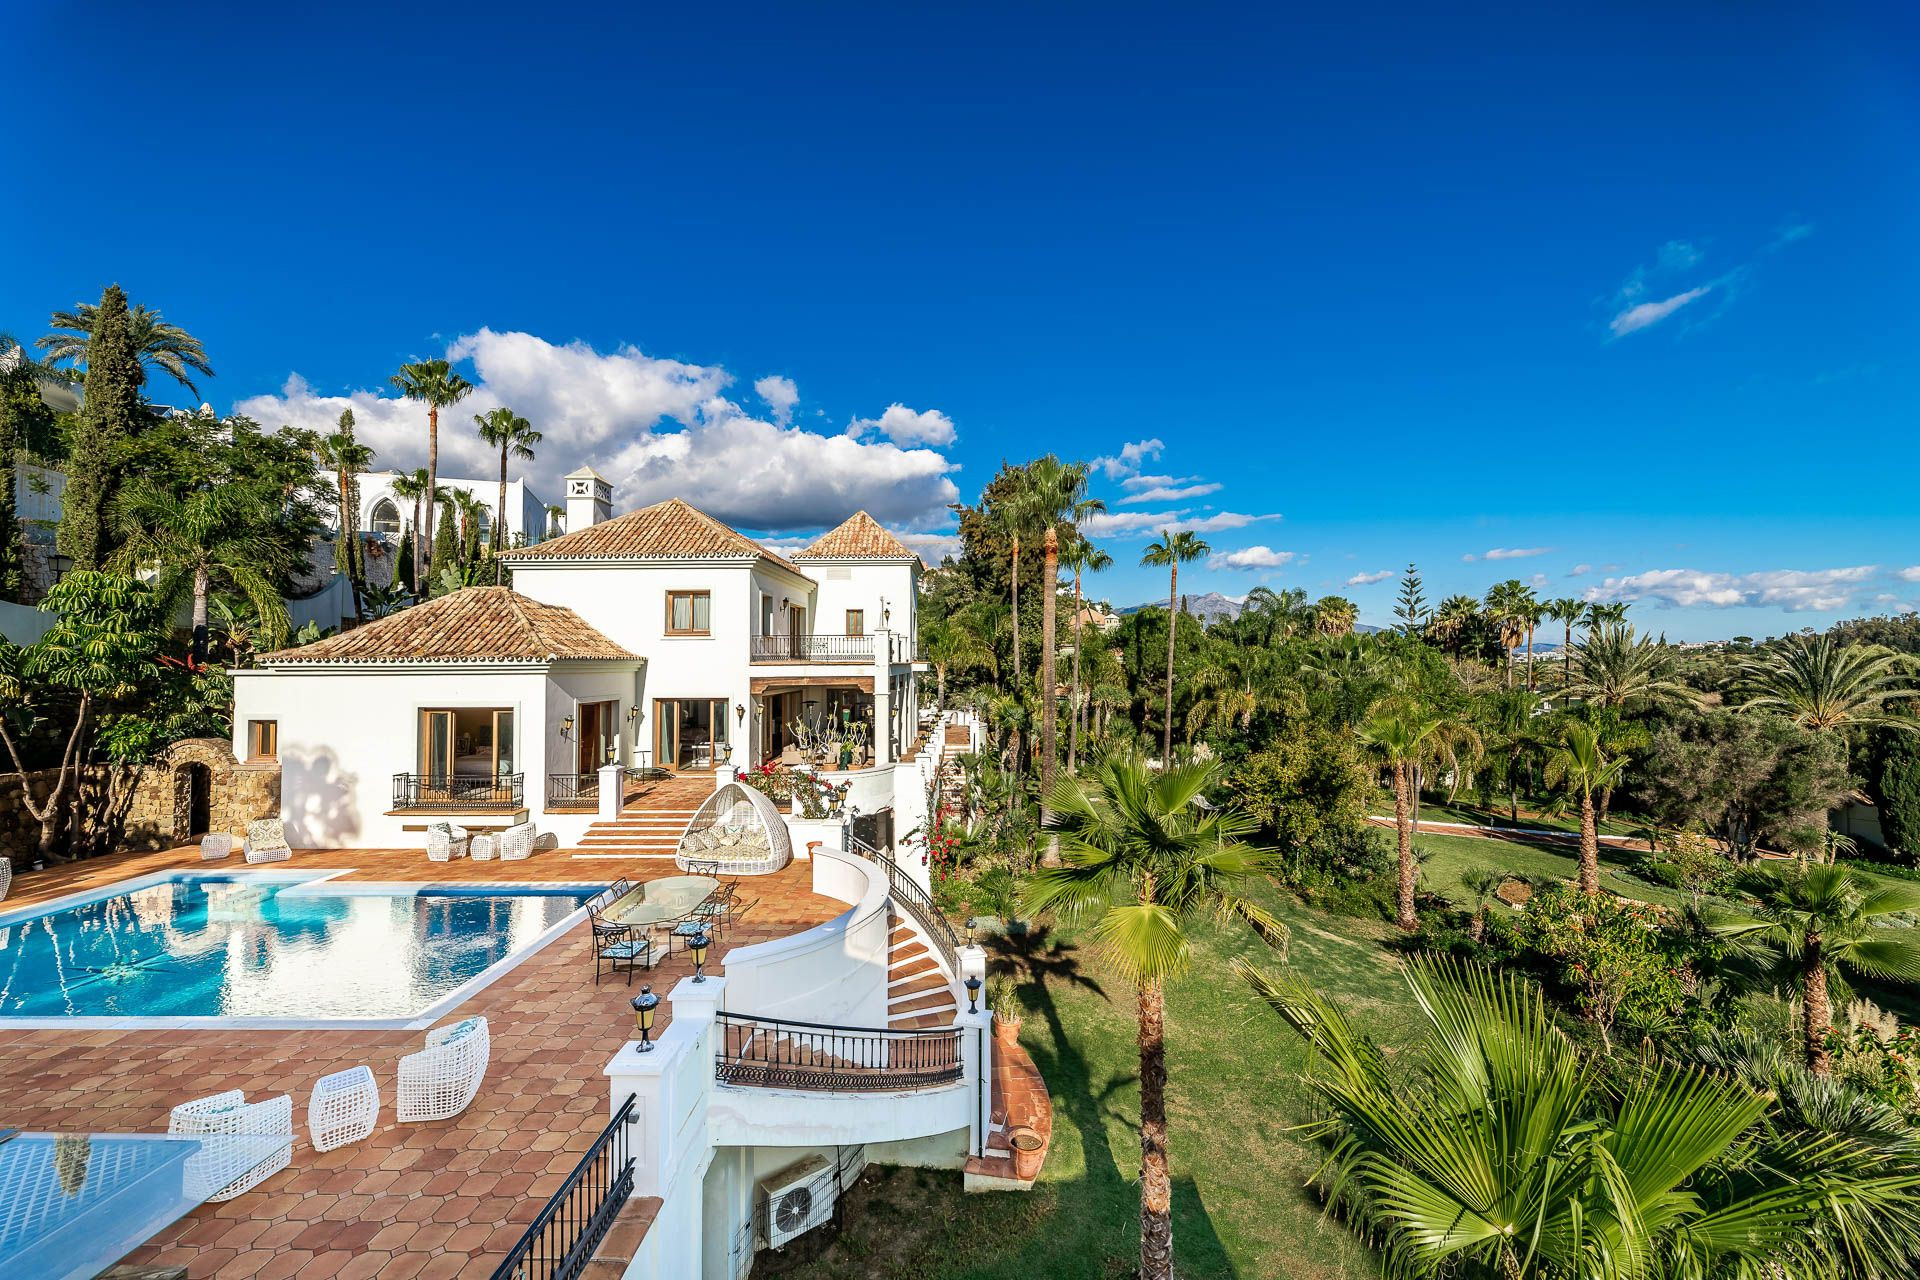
463,748
689,733
596,734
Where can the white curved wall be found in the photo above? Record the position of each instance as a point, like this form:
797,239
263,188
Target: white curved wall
832,973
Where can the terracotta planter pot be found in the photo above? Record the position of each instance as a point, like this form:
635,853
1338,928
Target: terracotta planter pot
1029,1152
1006,1031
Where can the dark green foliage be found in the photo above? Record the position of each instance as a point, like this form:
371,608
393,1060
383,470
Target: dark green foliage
1898,631
1307,786
1895,786
25,420
1410,607
1745,777
112,414
403,563
446,548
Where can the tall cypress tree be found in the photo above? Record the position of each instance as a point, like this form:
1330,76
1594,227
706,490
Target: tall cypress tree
1896,790
403,563
446,548
110,416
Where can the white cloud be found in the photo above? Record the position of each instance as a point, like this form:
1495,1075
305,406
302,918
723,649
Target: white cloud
1642,314
1250,558
1580,571
1127,461
1368,579
1909,574
657,428
780,395
907,426
1176,493
1508,553
933,547
1110,524
1791,590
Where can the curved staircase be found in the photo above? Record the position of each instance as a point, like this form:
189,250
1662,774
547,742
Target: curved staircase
920,994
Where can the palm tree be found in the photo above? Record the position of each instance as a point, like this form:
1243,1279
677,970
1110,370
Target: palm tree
1566,610
1819,682
1403,739
1823,920
413,488
1582,767
348,459
434,384
512,434
1497,1147
1510,604
1335,615
1509,714
1057,500
1615,669
1453,620
1080,556
469,512
1176,547
948,643
193,539
1604,614
1146,861
160,345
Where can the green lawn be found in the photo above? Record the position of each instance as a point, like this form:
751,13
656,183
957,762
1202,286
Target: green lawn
1451,857
1239,1203
1530,816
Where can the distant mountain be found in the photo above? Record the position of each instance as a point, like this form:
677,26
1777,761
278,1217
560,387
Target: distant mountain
1210,607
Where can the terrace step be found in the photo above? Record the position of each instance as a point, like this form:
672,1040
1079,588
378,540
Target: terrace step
928,1003
919,1022
914,986
923,965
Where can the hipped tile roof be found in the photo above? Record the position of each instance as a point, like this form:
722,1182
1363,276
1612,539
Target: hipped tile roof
476,624
859,537
670,530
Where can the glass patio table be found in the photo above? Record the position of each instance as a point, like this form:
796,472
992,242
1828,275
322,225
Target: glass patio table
658,901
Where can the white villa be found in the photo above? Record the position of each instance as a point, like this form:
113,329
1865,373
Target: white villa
387,515
658,640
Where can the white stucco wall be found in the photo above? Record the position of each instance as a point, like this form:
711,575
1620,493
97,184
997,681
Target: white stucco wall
526,510
345,731
832,973
885,591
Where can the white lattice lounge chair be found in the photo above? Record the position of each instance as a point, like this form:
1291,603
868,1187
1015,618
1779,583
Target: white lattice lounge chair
516,842
738,831
438,1082
343,1108
6,874
215,845
238,1150
266,841
446,842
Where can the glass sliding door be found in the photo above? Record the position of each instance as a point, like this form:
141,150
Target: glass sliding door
689,733
465,751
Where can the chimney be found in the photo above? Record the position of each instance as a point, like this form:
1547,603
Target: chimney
589,499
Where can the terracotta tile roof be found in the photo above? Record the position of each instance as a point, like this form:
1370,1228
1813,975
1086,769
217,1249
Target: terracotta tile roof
477,624
670,530
859,537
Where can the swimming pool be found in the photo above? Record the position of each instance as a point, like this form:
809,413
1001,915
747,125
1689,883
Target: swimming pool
270,948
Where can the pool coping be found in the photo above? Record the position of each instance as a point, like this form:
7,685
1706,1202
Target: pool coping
317,875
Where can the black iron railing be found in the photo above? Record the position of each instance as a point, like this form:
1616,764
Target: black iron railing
773,1053
917,902
561,1239
813,648
459,791
573,788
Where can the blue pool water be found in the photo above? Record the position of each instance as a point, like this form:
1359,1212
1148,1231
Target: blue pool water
267,945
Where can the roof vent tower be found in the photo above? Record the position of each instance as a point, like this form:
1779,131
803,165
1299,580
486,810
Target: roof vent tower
589,499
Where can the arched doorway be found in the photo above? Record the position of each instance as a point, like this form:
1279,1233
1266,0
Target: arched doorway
196,795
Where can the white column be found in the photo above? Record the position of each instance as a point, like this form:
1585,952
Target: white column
976,1053
613,785
882,697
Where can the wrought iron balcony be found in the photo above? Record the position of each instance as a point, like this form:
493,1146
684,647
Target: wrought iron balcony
775,1053
459,791
852,649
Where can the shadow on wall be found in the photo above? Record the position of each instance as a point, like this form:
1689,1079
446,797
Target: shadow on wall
319,801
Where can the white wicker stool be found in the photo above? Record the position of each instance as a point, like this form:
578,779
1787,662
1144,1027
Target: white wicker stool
483,848
343,1108
214,845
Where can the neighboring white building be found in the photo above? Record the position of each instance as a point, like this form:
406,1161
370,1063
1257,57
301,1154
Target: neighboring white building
662,638
386,516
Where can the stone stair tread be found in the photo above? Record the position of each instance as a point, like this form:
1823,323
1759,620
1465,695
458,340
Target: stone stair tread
908,951
922,1003
918,1022
917,984
914,968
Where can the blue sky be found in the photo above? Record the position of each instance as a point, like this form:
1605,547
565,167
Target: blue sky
1629,289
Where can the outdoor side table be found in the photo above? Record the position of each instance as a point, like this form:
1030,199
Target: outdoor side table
343,1108
484,848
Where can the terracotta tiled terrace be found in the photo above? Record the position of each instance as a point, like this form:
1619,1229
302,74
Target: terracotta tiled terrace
431,1200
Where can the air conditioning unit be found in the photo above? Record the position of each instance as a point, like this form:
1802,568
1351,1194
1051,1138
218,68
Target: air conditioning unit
796,1200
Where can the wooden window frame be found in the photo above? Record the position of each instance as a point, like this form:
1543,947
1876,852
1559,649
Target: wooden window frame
272,736
856,617
691,596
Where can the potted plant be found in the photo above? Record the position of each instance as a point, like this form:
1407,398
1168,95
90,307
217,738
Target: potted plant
1004,999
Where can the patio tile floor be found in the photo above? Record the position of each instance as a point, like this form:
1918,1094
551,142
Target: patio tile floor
425,1200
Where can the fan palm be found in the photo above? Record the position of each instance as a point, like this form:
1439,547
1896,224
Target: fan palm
1058,500
1566,611
1145,862
1502,1151
199,538
159,345
1580,766
1453,620
1614,668
1824,920
1405,739
1510,605
1176,547
1081,556
514,437
348,459
1819,682
434,384
1604,614
948,643
1335,615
